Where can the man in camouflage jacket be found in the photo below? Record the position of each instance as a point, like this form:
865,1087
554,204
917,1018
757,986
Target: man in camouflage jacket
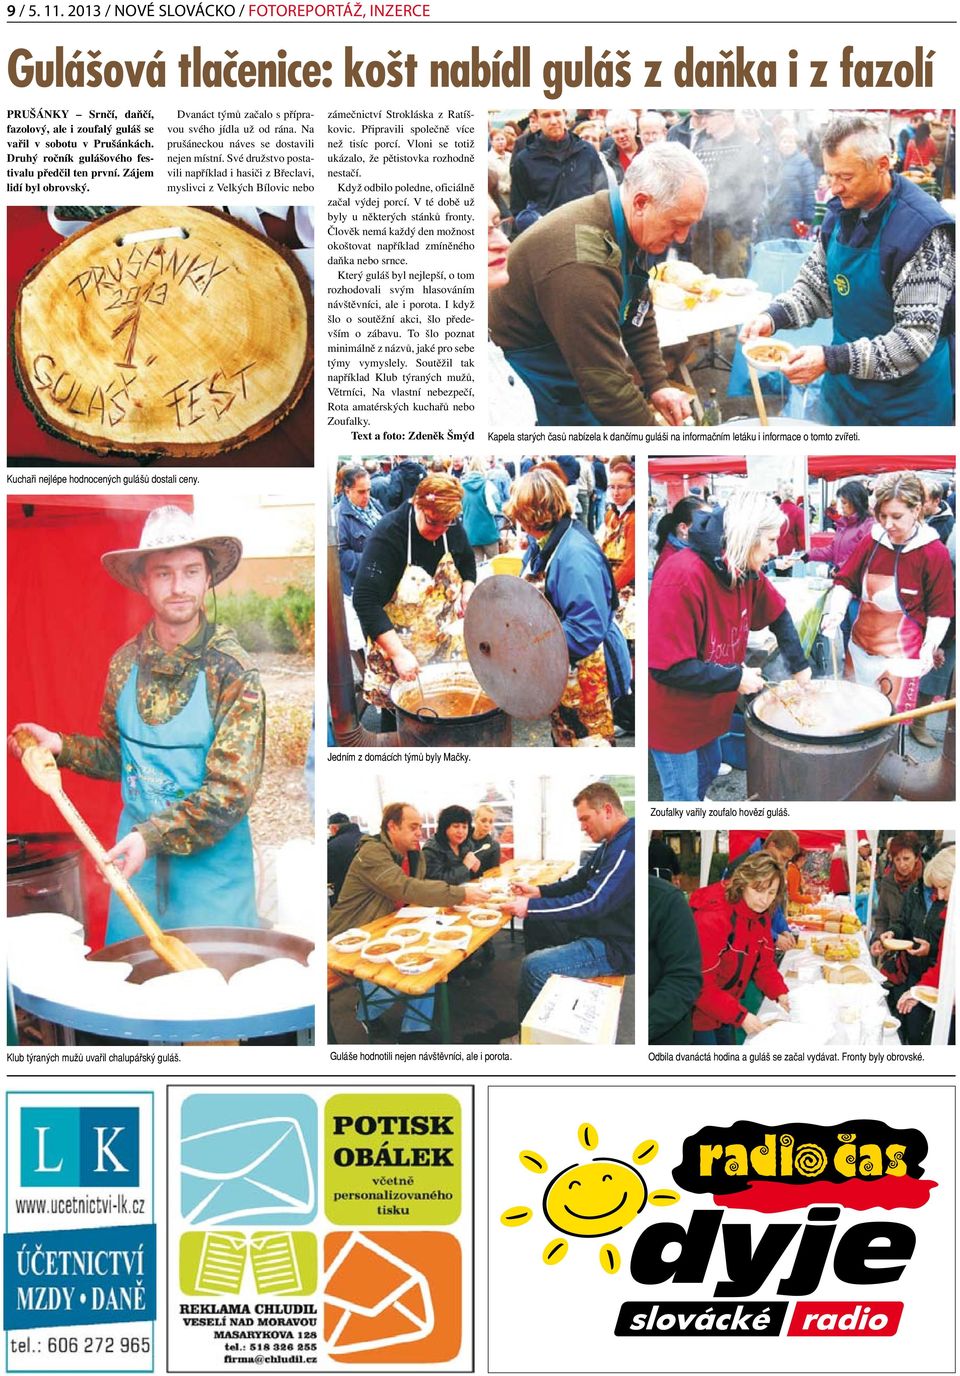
182,730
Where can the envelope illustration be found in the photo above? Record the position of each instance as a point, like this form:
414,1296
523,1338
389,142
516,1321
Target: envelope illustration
374,1298
259,1169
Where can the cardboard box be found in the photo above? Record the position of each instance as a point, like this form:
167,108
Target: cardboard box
572,1012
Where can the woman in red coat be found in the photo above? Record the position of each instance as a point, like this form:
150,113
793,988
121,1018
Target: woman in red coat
921,151
733,923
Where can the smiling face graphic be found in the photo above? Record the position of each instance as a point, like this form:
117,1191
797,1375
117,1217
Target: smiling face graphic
594,1199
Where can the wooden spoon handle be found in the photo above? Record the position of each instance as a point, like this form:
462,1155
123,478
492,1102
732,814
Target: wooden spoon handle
757,394
121,886
926,711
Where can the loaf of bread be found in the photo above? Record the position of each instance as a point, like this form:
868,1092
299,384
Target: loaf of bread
845,974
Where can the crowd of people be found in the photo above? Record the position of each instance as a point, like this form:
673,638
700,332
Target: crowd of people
588,201
713,953
414,536
891,559
579,926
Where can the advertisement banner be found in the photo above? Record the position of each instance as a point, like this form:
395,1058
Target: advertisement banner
79,1255
665,1230
315,1228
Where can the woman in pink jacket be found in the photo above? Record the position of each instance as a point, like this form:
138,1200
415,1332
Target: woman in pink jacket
853,524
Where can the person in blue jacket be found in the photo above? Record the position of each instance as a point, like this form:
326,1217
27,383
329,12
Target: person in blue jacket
578,584
480,506
583,926
357,514
793,197
404,481
554,167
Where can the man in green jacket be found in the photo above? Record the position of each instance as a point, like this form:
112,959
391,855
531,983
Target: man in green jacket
386,874
575,320
675,975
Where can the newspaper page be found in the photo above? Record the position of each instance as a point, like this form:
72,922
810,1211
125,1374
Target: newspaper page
251,313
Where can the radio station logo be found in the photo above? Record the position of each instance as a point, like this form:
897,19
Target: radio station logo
857,1165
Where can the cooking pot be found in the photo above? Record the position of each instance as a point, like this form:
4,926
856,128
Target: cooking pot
803,761
44,874
441,715
824,711
227,949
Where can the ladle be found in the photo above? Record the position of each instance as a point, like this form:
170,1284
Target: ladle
776,691
476,699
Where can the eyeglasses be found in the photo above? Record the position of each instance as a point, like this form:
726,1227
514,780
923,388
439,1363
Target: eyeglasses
505,226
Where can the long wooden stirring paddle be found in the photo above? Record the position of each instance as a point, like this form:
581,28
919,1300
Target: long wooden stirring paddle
927,711
757,394
42,771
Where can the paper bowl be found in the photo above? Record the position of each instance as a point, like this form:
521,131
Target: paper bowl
413,962
407,933
767,355
381,950
350,942
484,917
450,939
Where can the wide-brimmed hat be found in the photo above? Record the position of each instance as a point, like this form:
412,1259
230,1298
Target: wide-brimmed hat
166,528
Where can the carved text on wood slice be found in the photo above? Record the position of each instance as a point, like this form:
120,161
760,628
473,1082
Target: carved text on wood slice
170,331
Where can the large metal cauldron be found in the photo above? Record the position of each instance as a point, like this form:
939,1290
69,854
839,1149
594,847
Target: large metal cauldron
446,687
227,949
43,874
793,761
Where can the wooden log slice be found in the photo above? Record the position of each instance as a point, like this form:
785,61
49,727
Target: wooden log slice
183,344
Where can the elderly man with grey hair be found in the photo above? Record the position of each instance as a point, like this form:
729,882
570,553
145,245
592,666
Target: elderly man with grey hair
622,128
651,127
575,319
884,269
